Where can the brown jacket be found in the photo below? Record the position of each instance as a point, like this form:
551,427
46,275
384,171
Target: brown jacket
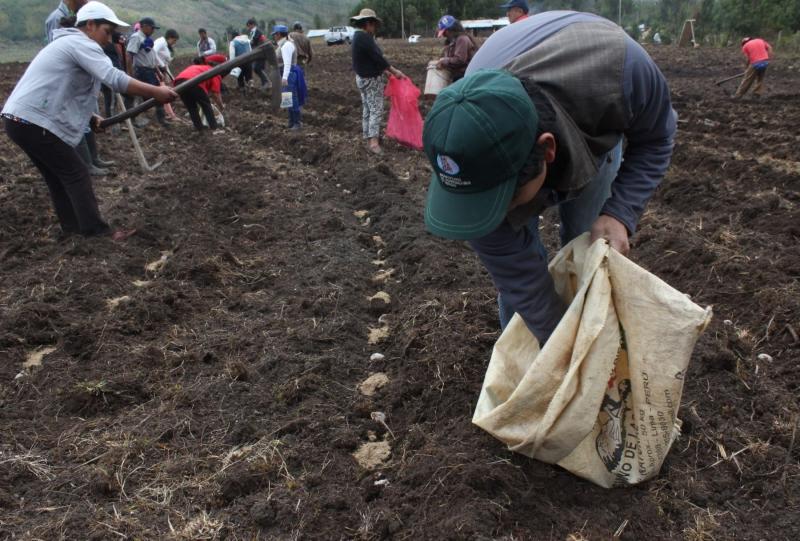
457,55
303,45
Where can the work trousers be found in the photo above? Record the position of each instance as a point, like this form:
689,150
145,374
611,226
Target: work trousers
294,112
259,67
195,98
577,215
108,101
371,89
147,75
245,76
66,175
751,75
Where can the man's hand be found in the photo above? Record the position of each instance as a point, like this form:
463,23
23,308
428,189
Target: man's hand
611,229
95,123
285,82
164,94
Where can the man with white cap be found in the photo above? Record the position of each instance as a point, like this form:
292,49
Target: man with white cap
54,100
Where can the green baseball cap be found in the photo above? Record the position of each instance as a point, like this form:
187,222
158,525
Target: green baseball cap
478,137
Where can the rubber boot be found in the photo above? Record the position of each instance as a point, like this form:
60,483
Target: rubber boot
83,151
91,142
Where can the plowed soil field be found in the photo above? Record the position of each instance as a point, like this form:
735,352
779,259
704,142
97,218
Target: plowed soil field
202,379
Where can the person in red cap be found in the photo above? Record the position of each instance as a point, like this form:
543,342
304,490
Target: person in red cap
198,96
459,47
757,52
215,59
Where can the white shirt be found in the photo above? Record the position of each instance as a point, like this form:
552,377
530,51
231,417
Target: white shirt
287,49
162,52
212,48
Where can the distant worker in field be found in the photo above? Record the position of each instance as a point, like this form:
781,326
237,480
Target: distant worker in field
303,44
239,45
198,98
65,9
459,47
370,66
516,10
292,77
51,104
257,38
757,52
164,48
522,132
206,45
143,63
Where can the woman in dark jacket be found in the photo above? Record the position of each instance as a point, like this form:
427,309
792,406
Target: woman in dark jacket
370,65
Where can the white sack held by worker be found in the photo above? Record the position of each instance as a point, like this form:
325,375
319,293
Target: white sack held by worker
601,398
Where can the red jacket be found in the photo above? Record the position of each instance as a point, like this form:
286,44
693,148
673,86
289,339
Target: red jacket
213,85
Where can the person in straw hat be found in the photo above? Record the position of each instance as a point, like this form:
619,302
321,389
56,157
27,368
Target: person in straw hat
370,65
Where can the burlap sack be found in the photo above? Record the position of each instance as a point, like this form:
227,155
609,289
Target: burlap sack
601,399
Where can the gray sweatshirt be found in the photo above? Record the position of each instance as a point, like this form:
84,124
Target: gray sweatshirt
58,91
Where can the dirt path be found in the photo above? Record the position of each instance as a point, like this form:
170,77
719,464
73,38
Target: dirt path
216,395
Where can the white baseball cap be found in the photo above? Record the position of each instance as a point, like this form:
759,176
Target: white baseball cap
93,11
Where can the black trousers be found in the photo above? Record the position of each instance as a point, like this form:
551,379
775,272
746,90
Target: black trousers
147,75
246,75
108,100
193,98
259,67
66,176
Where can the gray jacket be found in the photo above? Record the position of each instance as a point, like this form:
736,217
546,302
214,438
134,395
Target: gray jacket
52,22
58,91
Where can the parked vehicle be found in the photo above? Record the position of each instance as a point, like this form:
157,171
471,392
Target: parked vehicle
339,34
414,38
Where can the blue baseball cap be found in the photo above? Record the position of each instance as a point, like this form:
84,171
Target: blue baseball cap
282,28
445,23
521,4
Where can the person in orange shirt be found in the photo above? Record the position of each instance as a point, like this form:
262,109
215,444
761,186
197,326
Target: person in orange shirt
757,51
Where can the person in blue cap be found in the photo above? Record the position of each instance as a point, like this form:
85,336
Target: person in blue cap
459,47
538,121
292,77
516,10
143,62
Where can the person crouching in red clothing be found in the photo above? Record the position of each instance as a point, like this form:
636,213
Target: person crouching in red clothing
757,52
198,96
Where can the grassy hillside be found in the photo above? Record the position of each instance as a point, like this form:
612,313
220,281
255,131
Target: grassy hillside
23,22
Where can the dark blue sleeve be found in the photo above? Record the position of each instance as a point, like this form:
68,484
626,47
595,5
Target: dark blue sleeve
650,137
520,274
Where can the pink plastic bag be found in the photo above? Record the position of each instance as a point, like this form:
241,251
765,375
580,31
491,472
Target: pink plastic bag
405,122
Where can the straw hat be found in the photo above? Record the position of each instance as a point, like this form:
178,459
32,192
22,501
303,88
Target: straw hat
364,15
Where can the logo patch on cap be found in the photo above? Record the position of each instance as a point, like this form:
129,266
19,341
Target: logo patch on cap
447,165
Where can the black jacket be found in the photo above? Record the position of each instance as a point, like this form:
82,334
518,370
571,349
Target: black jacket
368,60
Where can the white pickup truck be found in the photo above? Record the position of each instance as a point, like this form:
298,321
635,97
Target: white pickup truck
339,34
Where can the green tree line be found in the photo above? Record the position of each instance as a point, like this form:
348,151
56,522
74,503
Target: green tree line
730,17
